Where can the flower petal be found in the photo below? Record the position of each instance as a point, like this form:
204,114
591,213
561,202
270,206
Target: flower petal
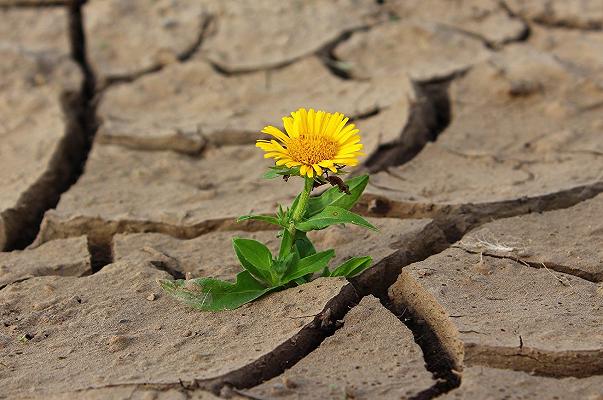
277,133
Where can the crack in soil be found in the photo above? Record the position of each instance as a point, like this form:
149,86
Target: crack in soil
450,223
204,27
429,116
480,212
66,166
100,232
274,363
563,269
39,3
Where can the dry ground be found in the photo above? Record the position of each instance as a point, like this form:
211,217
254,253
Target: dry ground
127,131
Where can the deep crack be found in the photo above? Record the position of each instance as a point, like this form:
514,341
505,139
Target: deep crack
429,116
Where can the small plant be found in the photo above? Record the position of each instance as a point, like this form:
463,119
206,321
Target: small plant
317,146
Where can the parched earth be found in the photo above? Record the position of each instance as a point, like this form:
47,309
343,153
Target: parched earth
126,152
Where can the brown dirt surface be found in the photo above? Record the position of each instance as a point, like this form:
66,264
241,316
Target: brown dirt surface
37,137
103,317
483,383
565,240
125,190
129,38
484,19
581,14
499,312
391,50
524,126
372,356
127,132
259,34
212,255
66,257
186,106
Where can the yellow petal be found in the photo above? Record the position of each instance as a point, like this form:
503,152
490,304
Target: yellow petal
303,120
346,133
326,163
317,169
310,121
340,127
332,125
318,121
289,126
277,133
350,149
325,124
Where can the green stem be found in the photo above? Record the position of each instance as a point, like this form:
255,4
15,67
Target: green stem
300,210
302,204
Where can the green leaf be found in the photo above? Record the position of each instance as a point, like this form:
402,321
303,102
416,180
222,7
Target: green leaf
333,197
352,267
264,218
303,244
293,206
286,244
309,265
281,170
271,174
210,294
255,258
281,266
332,215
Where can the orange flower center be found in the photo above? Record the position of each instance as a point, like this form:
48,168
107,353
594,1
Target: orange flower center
311,149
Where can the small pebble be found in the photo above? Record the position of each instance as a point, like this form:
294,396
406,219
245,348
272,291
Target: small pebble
152,297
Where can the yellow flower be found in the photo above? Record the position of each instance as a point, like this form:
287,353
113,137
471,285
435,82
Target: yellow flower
315,140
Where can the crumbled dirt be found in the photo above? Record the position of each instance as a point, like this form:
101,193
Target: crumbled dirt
126,153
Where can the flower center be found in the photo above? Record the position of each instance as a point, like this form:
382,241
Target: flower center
312,149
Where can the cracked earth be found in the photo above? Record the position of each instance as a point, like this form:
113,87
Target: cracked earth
126,152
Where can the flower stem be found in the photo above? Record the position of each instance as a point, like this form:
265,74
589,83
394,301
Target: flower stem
302,204
300,210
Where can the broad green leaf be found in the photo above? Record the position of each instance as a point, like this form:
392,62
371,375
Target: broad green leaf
332,215
309,265
352,267
303,244
265,218
210,294
255,258
333,197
